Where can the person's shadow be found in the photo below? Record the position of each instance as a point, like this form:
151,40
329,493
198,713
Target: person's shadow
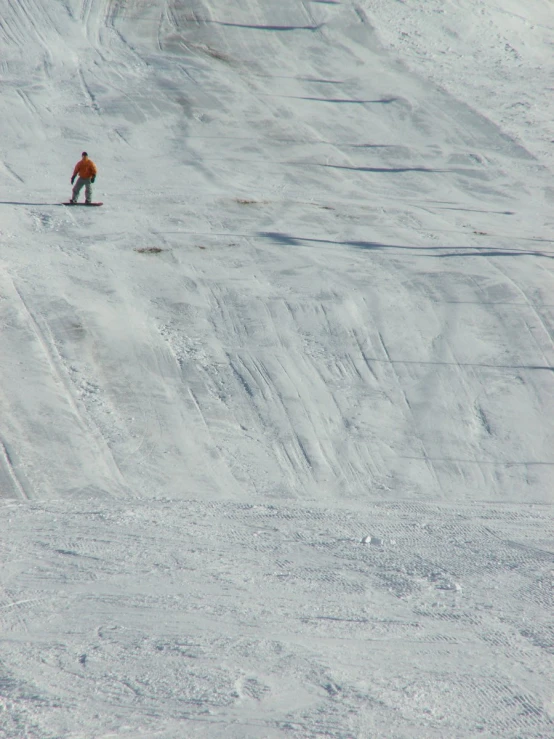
14,202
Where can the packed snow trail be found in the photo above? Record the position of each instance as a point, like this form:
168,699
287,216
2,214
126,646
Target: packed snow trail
393,197
225,620
277,434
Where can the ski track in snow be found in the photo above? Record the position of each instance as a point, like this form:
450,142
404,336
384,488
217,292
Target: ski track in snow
280,620
276,452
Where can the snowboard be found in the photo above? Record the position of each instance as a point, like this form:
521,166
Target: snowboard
89,204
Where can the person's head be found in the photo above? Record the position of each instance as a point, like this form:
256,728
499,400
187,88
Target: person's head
84,155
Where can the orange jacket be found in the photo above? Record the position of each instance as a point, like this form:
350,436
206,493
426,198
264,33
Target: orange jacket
85,168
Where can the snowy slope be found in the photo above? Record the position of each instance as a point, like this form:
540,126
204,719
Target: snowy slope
276,451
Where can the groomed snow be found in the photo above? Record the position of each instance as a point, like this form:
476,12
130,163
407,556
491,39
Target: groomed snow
277,421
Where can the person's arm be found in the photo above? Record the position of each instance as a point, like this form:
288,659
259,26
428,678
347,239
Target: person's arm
94,171
75,172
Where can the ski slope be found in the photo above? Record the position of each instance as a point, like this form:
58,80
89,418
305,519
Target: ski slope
277,421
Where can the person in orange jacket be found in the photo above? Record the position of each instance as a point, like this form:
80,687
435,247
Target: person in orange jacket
85,171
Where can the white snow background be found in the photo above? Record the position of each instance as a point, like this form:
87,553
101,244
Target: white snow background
277,421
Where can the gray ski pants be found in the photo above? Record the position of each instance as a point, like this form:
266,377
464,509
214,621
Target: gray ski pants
78,186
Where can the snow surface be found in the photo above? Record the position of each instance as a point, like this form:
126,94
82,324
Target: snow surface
277,422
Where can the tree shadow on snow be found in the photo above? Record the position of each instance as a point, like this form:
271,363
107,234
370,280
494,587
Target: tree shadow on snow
350,101
442,251
265,28
386,170
483,365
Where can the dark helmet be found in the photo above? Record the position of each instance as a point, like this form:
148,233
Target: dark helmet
84,154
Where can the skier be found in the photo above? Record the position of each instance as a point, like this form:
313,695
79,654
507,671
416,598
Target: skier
85,169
